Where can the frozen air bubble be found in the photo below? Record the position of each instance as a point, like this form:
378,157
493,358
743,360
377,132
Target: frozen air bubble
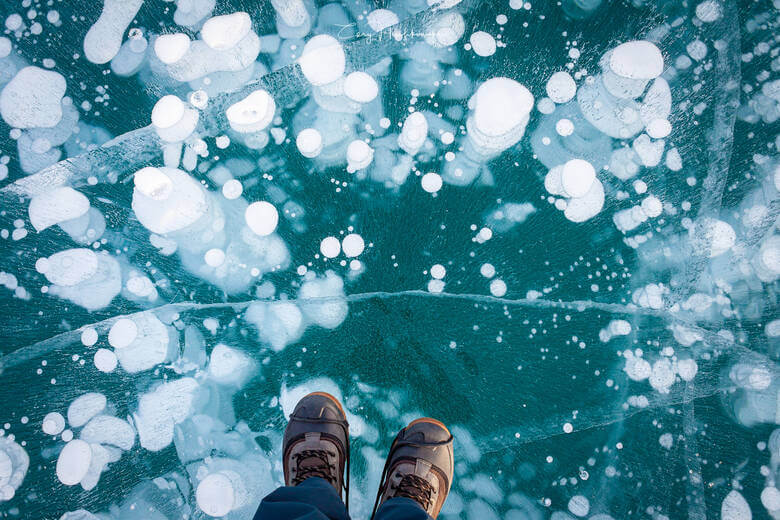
352,245
105,360
431,182
73,462
53,423
309,142
170,48
360,87
262,218
561,87
222,33
323,60
483,43
330,247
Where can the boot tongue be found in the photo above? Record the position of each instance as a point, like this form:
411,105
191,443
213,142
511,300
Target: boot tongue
314,466
310,462
416,488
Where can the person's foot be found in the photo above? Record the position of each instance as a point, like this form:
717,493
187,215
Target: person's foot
316,442
419,466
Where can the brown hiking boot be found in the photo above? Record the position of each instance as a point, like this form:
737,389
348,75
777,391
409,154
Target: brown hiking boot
316,442
419,466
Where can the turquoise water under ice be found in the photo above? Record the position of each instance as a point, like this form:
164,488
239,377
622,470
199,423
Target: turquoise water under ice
618,365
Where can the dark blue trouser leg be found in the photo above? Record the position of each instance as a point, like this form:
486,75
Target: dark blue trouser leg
312,499
316,499
401,508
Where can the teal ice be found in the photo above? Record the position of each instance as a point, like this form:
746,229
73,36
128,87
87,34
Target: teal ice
551,224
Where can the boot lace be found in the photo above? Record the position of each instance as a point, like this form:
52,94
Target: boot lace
324,469
416,488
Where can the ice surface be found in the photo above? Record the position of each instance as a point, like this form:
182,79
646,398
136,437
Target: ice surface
551,225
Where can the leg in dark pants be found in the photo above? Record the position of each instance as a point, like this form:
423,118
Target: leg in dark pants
401,508
312,499
315,499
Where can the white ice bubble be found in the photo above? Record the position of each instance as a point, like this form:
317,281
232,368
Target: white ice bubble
708,11
639,59
487,270
687,369
85,407
105,360
55,206
262,218
153,183
360,87
413,133
253,113
161,409
122,333
214,257
577,177
483,43
564,127
323,60
770,498
659,128
498,288
33,99
104,38
735,507
445,30
291,14
53,423
14,22
379,19
561,87
71,267
330,247
232,189
89,337
714,235
229,366
435,286
309,142
170,48
5,46
215,495
697,50
501,109
662,375
579,505
583,208
73,462
168,111
224,32
637,369
652,206
277,323
106,429
352,245
431,182
359,155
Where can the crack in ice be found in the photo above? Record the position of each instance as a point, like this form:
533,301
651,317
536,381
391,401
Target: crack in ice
42,347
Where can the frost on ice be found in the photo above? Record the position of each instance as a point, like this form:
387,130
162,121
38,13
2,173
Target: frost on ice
552,225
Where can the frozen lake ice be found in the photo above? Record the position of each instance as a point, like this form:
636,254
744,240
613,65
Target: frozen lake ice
552,225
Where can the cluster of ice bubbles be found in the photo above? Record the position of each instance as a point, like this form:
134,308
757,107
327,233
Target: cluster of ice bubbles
637,138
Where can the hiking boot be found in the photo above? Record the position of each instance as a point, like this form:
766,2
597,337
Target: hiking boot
316,442
419,466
